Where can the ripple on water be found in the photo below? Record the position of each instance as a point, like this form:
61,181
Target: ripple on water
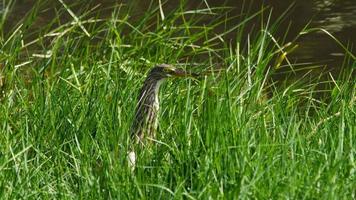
334,16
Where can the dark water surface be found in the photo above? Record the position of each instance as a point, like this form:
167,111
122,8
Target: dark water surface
336,16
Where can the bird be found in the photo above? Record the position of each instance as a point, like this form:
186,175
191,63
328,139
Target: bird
145,121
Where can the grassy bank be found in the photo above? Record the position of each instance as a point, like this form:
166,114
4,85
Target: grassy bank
69,92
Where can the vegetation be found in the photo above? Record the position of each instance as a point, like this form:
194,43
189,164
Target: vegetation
69,92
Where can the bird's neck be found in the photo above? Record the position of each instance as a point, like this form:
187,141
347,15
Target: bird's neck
150,90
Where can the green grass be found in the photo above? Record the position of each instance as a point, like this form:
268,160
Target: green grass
65,118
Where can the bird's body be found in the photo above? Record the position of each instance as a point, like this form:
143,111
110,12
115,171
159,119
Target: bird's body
145,121
146,116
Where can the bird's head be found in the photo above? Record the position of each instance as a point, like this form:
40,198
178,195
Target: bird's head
165,71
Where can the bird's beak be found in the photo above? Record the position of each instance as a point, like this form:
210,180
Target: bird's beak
181,73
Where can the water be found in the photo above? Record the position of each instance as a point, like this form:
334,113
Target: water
335,16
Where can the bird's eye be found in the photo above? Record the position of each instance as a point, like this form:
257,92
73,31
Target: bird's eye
167,70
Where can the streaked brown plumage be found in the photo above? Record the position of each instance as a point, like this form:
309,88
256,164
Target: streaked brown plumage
145,122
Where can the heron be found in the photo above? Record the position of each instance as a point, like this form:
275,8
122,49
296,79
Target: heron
145,122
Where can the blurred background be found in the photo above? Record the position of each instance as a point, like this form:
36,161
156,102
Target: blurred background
317,48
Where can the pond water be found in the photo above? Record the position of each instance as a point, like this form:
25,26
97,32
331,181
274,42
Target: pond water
336,16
